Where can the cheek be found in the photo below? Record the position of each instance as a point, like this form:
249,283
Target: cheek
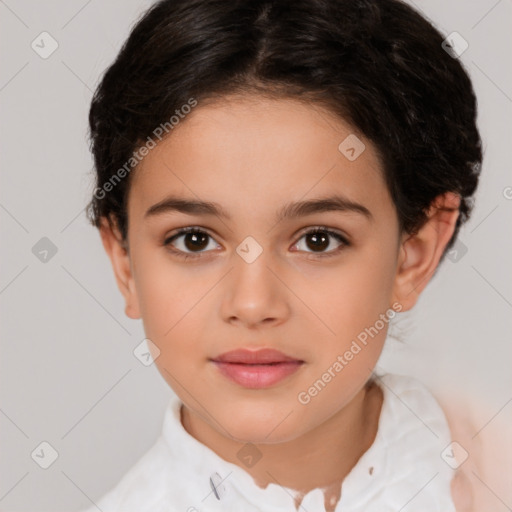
355,305
171,308
354,302
353,296
169,295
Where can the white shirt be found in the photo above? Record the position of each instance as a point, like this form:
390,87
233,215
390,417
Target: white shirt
403,470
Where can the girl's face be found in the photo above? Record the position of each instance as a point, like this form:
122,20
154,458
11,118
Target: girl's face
253,277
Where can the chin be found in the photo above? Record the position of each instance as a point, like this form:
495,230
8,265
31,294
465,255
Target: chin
260,426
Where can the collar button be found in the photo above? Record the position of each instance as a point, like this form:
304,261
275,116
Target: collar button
218,488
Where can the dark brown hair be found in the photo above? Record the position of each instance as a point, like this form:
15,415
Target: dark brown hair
378,64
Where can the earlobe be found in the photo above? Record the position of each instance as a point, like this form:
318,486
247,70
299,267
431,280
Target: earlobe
119,257
421,252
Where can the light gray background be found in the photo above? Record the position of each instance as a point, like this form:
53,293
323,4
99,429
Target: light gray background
68,373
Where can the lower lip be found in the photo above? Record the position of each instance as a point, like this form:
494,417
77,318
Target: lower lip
258,376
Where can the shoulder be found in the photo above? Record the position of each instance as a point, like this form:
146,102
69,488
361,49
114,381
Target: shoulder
408,398
411,418
415,433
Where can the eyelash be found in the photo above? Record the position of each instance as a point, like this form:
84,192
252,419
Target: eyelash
315,230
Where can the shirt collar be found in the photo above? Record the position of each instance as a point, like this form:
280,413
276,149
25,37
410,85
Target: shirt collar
219,485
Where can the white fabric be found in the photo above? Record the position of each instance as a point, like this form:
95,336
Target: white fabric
409,474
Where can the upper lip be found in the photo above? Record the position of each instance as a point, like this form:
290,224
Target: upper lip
261,356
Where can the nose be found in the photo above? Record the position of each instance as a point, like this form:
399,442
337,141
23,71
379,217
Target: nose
253,295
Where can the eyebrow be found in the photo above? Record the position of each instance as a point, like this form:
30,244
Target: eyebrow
289,211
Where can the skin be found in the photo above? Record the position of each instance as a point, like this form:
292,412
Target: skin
252,156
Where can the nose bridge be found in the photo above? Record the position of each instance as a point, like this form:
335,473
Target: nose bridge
254,293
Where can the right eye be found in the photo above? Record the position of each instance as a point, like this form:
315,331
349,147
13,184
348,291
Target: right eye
193,238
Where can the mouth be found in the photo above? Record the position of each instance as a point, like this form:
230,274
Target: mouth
256,369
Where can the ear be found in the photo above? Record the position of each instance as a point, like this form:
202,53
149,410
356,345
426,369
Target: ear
420,253
117,251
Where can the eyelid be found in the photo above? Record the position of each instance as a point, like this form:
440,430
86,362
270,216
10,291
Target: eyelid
324,229
188,229
309,229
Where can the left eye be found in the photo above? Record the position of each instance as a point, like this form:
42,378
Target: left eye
196,241
320,238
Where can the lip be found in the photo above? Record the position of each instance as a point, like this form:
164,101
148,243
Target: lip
260,356
256,369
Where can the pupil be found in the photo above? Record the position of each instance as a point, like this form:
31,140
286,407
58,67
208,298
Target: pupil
194,238
316,237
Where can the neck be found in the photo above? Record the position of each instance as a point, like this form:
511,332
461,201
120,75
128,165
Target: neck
321,458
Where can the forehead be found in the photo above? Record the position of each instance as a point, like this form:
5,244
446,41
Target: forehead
254,154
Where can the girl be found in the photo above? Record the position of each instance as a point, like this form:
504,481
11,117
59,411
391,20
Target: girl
276,181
